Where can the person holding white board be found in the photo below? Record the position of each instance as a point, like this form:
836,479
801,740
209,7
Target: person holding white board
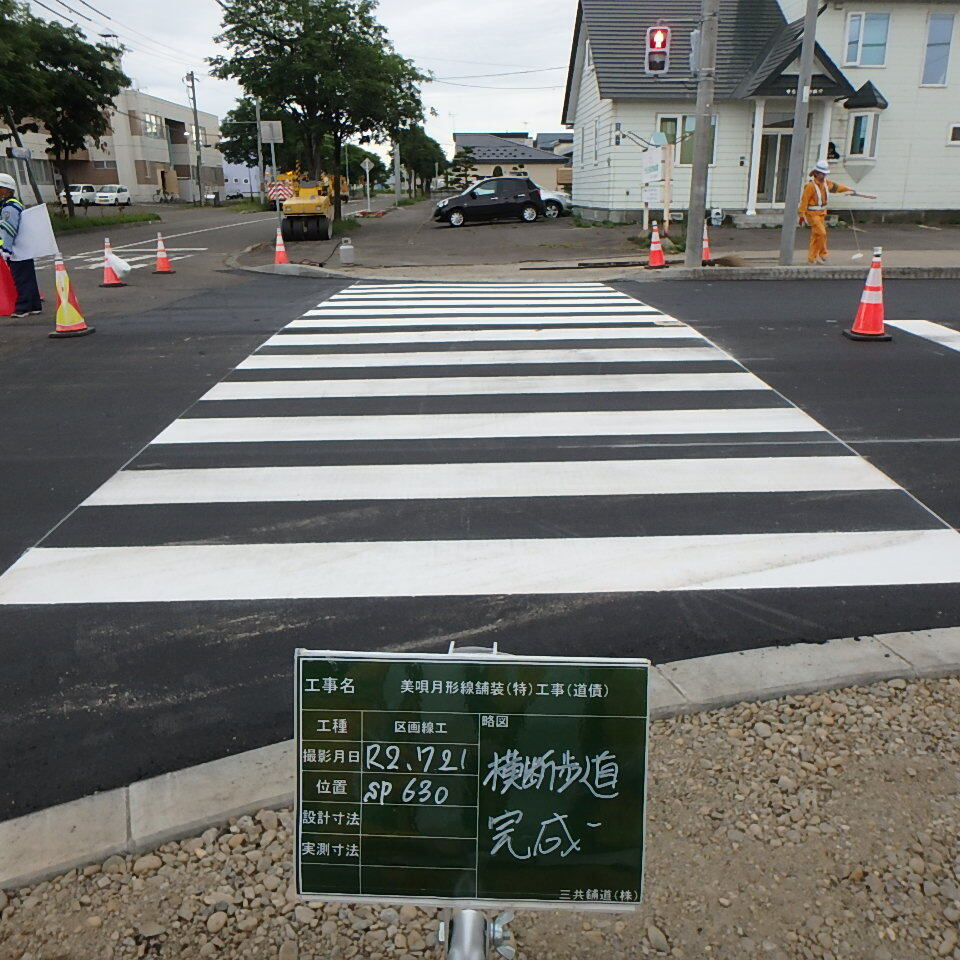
24,274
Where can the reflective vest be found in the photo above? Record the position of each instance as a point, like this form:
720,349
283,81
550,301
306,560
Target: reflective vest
822,191
10,211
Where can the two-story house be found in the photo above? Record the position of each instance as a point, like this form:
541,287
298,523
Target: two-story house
885,102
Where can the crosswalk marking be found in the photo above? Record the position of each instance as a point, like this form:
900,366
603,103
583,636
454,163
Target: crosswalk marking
479,567
472,358
482,386
935,332
471,425
458,336
469,480
333,463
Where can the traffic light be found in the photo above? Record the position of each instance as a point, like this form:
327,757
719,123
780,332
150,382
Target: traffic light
658,50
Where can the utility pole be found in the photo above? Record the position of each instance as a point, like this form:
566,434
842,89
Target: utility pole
192,80
798,146
396,172
346,160
703,134
8,113
256,107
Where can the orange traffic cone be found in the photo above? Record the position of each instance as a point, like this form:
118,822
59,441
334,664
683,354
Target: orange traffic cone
110,278
656,261
8,290
70,322
163,261
280,256
868,324
705,256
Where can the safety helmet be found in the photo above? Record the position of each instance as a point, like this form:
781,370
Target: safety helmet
8,182
822,167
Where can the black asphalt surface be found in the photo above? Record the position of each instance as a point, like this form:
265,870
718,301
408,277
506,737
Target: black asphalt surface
95,696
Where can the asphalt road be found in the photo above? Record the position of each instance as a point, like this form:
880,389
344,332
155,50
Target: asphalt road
99,693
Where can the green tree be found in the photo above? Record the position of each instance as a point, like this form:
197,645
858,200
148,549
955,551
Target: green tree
356,155
329,63
239,142
461,170
497,171
76,88
421,156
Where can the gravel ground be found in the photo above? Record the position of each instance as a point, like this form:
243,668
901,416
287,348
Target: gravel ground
824,826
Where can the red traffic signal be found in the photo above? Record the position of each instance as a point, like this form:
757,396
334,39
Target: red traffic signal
658,50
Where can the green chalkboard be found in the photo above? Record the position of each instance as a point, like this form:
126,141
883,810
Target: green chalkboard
480,780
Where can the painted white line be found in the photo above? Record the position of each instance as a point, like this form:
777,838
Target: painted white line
446,481
532,287
485,296
493,425
937,332
482,386
632,332
612,310
480,567
398,305
467,358
479,320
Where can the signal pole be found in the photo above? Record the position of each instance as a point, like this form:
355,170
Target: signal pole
192,80
256,109
798,146
703,134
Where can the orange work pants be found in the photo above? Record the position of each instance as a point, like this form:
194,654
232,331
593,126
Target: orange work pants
818,236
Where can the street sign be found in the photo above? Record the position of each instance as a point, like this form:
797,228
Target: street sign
19,153
652,195
367,164
652,165
471,779
280,190
271,131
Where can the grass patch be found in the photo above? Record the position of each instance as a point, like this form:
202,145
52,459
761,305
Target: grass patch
346,226
63,224
578,221
250,206
410,201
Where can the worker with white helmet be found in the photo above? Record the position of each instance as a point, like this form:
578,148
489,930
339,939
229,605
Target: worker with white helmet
24,274
813,209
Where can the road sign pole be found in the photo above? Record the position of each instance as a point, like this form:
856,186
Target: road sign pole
273,163
367,167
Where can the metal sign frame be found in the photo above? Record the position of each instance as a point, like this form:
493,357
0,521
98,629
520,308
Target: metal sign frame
460,657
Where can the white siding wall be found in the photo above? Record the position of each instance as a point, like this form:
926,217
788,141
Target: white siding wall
593,155
915,169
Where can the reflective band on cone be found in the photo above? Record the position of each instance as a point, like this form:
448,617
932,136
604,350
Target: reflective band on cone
70,322
868,324
280,256
110,278
656,261
705,256
163,261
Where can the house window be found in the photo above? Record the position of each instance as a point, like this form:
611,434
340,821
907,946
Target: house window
671,126
939,34
152,126
953,135
867,39
863,135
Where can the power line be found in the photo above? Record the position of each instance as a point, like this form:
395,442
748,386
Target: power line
478,86
56,14
511,73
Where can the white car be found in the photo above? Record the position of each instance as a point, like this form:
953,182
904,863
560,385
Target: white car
556,202
113,195
81,194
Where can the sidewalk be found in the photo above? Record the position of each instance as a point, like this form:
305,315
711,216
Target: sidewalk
819,826
407,244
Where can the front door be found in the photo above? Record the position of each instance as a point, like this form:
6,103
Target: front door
774,165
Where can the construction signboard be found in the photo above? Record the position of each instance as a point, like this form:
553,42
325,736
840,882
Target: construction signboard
465,779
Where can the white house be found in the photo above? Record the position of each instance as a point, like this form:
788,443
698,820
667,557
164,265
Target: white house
885,102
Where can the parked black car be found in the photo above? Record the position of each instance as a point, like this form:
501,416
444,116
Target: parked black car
499,198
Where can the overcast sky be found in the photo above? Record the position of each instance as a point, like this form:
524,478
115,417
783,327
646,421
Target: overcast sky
455,40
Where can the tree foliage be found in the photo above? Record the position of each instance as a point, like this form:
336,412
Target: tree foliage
462,168
422,157
328,63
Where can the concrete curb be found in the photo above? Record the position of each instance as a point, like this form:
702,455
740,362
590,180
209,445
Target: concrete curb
150,812
638,274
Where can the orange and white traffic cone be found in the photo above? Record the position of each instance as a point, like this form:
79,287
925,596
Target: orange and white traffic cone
868,324
656,261
706,255
8,290
280,256
163,261
70,322
110,278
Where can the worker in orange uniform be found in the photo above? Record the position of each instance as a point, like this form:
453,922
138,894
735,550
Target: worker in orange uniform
813,209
